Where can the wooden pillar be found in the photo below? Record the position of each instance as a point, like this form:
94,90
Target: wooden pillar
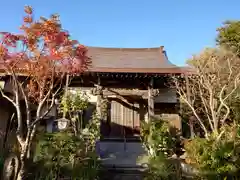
150,100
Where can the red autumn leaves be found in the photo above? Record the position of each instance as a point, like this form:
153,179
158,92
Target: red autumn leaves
42,45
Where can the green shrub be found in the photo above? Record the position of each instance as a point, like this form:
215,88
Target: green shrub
65,155
161,167
218,154
157,138
160,144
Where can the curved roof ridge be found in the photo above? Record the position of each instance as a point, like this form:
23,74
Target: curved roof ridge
124,48
116,59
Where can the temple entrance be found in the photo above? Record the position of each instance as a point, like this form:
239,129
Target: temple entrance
123,120
120,144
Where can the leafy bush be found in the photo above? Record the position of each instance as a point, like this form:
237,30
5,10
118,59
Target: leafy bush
73,102
218,154
65,155
160,144
161,167
70,153
157,138
72,106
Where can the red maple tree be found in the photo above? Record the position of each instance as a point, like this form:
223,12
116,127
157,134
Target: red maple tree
37,60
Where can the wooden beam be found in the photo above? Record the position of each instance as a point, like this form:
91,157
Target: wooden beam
125,92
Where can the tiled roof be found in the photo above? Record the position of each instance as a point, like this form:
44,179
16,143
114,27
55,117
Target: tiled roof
139,60
131,60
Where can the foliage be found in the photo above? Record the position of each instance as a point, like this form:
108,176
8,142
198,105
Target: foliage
218,155
235,110
72,106
42,53
73,102
157,137
209,91
162,168
92,131
65,155
212,96
160,144
229,36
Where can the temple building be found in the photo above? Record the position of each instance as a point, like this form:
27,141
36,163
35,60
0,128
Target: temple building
126,86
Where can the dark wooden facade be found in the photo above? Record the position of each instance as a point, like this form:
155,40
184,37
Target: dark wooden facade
130,81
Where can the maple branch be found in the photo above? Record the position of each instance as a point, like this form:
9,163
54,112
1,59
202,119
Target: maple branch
6,97
39,118
18,109
46,96
28,112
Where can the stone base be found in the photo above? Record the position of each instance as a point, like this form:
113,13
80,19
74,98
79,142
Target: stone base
117,174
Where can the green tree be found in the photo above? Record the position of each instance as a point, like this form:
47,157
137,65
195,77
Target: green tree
229,36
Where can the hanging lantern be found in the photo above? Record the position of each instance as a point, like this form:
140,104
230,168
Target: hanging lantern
62,123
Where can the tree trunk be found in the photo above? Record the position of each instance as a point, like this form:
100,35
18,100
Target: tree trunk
24,153
11,167
21,171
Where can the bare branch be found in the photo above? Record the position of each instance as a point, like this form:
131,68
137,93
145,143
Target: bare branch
205,106
222,100
183,95
215,82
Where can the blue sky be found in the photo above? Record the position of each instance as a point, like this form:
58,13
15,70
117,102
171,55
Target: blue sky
184,27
